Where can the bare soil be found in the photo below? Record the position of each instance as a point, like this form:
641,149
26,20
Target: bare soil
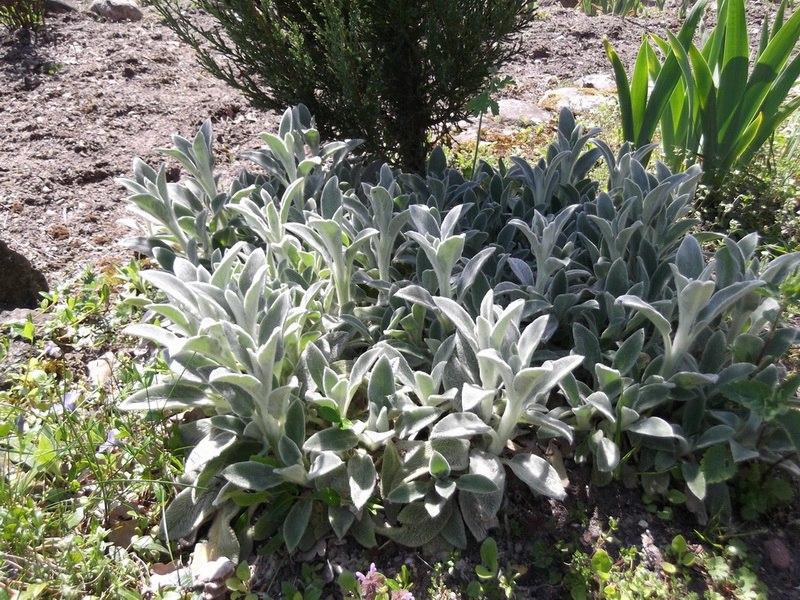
84,97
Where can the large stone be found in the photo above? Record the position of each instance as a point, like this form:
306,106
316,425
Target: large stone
59,6
117,10
520,112
576,99
20,283
598,81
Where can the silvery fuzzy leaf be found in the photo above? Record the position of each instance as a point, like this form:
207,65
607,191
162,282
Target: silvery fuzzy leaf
295,423
693,298
417,526
616,281
741,453
549,425
689,379
373,440
157,335
479,511
208,444
391,469
538,474
434,504
725,298
476,399
454,532
587,345
415,420
406,492
340,519
459,425
521,270
627,354
424,221
492,367
184,516
451,219
610,380
381,382
294,474
172,287
324,463
296,523
779,268
416,295
530,382
606,453
476,484
600,401
438,466
417,454
689,258
530,338
653,427
244,381
252,475
651,396
507,321
316,363
332,439
472,269
695,479
236,452
459,317
445,487
222,540
661,323
177,395
331,198
289,452
362,475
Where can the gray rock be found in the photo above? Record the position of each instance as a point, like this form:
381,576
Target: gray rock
59,6
576,99
117,10
598,81
210,578
520,112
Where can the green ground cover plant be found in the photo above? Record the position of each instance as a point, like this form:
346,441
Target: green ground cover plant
82,486
21,14
375,352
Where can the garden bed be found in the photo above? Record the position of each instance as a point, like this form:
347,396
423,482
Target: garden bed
79,103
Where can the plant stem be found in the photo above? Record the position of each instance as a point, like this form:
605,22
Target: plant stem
477,144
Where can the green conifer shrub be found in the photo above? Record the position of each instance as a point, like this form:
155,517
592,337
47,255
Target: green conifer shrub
396,73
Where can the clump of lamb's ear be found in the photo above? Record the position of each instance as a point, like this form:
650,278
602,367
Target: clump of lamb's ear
374,352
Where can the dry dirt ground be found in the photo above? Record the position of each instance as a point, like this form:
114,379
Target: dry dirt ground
86,96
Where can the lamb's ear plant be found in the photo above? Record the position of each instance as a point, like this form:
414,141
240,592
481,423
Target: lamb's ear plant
369,354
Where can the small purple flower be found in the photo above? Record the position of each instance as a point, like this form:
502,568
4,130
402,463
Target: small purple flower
111,441
20,423
68,403
70,400
371,583
402,595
